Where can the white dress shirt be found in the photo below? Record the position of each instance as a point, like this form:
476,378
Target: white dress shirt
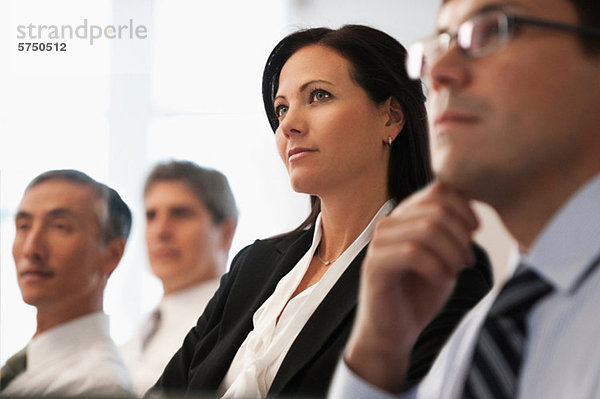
179,312
258,359
75,358
562,356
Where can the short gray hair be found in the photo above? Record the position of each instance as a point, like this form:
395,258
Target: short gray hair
115,219
209,185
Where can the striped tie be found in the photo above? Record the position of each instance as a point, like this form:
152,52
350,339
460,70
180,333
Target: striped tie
497,356
150,328
13,367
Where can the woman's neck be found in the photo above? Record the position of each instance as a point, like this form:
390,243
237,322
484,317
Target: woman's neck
343,218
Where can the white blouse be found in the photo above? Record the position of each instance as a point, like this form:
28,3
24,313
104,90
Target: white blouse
258,359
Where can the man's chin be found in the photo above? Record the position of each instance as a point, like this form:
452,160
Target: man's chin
33,299
165,270
458,179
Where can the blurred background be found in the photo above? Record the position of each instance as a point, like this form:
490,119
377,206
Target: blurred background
190,89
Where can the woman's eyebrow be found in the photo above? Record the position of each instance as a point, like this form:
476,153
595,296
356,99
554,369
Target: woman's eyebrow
304,86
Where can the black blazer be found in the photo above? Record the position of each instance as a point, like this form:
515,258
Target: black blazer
201,363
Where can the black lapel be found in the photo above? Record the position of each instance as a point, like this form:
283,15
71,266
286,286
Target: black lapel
259,273
340,301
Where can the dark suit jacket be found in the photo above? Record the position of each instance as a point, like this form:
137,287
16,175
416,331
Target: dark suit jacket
208,350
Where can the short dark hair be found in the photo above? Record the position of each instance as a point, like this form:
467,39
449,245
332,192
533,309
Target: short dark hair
378,66
588,12
115,220
209,185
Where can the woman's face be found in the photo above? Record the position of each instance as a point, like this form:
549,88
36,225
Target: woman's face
331,135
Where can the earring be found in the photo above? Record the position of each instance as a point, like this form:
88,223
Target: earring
390,141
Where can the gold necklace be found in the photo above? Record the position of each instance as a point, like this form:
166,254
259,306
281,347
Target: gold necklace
324,262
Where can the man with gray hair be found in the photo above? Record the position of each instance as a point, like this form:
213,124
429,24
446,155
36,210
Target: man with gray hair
70,236
191,217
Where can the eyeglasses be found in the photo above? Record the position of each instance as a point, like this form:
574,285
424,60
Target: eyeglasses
479,36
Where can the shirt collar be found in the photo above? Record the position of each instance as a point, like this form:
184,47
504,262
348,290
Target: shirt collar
66,338
176,305
568,246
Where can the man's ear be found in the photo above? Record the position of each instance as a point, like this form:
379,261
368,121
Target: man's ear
113,252
396,120
227,228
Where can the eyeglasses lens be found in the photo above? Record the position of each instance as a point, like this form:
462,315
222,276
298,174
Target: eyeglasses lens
476,37
483,35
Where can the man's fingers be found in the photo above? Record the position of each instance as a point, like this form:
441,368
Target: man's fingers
426,218
431,228
437,257
448,199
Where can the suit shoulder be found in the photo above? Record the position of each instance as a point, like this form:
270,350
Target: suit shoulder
284,241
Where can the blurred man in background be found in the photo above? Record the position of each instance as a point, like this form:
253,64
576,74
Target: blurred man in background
191,217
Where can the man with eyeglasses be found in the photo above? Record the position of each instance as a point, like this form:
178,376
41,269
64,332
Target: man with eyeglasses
514,103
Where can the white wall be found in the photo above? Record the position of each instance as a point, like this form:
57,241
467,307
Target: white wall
406,20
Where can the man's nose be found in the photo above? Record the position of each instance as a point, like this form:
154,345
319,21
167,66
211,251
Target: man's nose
33,243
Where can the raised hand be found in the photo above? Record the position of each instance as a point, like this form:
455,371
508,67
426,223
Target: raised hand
408,274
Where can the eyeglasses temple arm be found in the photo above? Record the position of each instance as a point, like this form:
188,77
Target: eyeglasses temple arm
556,25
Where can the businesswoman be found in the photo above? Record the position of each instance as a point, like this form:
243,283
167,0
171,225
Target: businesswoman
350,128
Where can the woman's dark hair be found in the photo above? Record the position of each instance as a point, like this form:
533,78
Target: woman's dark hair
378,66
